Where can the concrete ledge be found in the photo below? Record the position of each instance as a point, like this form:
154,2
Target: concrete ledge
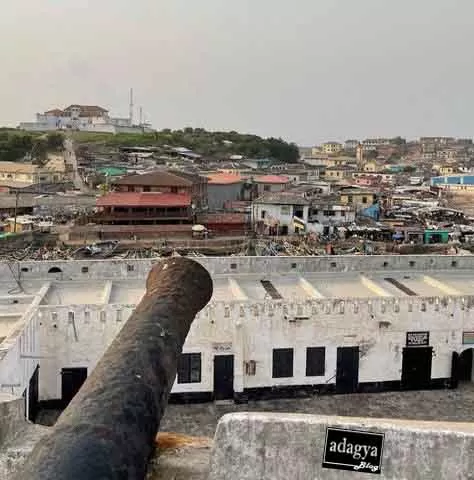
261,446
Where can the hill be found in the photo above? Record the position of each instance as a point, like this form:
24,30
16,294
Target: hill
209,144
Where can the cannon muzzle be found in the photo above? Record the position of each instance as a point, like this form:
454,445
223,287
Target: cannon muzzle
107,432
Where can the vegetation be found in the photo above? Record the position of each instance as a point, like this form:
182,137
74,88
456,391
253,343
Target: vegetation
16,145
208,144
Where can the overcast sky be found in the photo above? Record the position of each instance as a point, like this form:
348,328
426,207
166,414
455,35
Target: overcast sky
306,70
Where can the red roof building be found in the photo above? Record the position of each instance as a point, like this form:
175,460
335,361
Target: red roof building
166,182
144,208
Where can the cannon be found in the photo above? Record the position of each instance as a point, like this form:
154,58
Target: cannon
107,432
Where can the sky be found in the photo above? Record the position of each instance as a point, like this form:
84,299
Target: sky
304,70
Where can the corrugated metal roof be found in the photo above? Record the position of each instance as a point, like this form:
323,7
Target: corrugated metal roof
157,179
224,178
272,179
144,199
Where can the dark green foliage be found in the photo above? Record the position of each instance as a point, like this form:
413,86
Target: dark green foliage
16,145
208,144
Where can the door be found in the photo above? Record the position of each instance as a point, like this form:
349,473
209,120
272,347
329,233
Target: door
223,377
71,382
33,396
416,367
347,371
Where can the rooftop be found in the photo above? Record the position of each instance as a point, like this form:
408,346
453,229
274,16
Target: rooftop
144,199
275,179
282,198
224,178
159,178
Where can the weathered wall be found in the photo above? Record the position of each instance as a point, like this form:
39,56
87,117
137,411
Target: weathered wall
239,326
266,446
85,269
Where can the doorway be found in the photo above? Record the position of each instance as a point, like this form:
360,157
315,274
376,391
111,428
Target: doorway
416,368
465,366
223,377
33,396
347,370
71,381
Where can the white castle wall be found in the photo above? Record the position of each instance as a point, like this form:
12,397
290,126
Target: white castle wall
251,331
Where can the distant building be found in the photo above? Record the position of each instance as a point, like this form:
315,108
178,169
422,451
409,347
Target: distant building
88,118
30,174
460,183
274,213
351,145
447,169
357,197
122,208
339,173
222,188
160,181
331,147
271,183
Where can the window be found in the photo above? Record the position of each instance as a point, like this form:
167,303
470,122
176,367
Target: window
329,213
315,361
282,362
84,269
189,368
266,188
130,268
263,213
285,210
364,199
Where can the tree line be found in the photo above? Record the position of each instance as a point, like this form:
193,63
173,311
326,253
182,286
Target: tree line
17,145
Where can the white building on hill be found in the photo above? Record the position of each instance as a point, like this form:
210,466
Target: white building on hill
87,118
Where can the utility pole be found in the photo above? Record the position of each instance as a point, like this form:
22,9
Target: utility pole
17,195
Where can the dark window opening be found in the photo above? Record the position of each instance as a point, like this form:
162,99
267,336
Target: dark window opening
454,263
282,362
24,269
84,269
315,361
130,268
412,263
293,265
233,266
189,368
55,270
333,265
385,264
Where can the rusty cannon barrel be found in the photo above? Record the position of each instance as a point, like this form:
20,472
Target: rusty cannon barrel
107,432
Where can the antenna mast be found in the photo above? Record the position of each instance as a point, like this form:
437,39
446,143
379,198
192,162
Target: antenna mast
131,107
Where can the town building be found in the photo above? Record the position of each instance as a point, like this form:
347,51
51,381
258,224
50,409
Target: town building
351,145
270,183
275,213
87,118
340,324
357,197
144,208
459,183
223,187
339,173
27,173
331,147
161,181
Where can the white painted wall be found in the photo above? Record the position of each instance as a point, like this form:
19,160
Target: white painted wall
255,329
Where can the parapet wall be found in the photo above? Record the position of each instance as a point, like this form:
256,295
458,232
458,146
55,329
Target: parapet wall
268,446
94,269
